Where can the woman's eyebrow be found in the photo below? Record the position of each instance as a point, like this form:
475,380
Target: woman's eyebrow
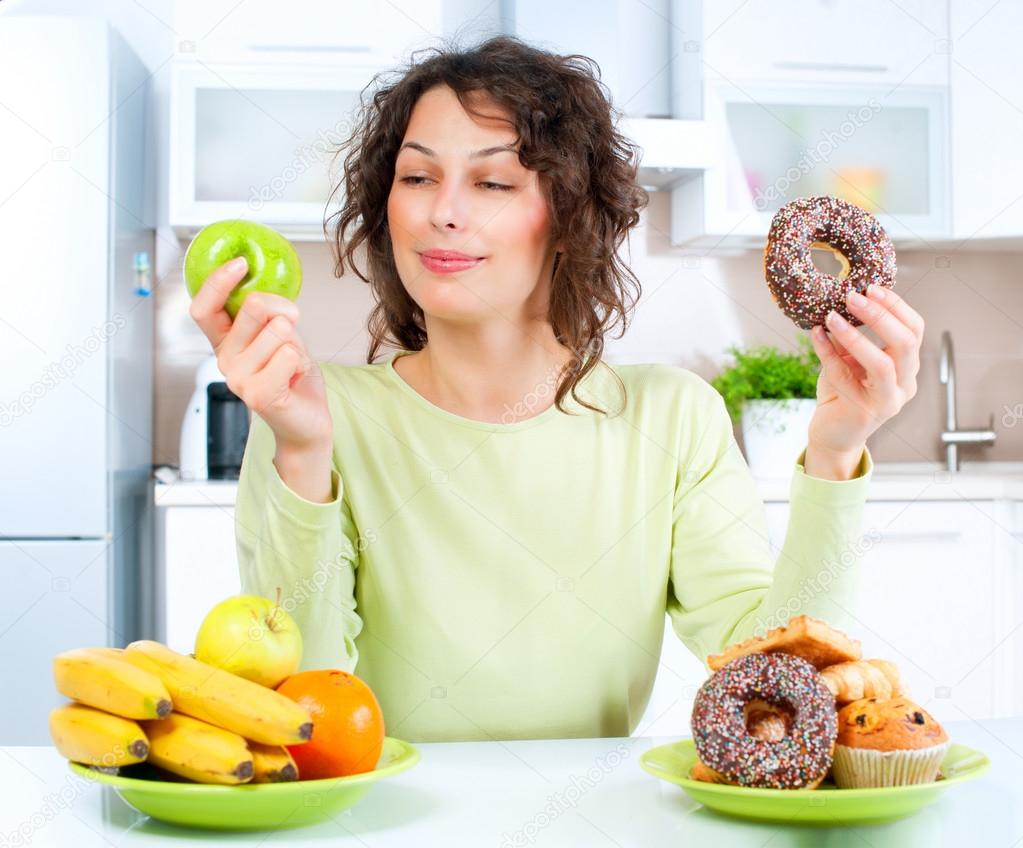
475,154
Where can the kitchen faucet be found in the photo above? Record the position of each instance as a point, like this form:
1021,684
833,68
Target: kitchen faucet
952,436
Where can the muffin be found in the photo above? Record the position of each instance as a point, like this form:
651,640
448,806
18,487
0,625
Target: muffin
891,742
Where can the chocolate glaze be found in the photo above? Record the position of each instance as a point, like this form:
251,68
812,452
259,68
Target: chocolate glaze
724,743
805,293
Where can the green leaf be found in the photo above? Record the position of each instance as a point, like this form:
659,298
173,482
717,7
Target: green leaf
767,373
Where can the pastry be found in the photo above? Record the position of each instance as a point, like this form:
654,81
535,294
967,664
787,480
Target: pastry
804,292
850,681
890,742
705,773
766,687
814,640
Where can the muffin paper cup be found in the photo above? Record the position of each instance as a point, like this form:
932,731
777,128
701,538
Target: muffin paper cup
859,768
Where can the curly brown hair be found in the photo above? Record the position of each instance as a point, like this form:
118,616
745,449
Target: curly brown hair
565,126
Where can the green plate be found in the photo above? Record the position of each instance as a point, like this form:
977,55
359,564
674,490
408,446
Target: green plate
824,805
261,806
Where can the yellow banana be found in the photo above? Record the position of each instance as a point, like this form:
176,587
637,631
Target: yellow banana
198,750
101,678
222,698
273,763
90,736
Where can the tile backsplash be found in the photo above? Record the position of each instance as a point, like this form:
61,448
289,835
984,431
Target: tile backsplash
694,305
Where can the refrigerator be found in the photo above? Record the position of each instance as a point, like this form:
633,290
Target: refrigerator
76,354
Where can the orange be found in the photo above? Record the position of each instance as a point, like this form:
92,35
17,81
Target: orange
348,724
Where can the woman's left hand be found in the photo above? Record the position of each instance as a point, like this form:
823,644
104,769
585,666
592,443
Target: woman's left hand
861,385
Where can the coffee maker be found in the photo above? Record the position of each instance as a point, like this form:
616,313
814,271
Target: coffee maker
215,428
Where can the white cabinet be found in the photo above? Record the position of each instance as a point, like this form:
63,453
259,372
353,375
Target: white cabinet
986,74
312,30
259,142
939,595
927,601
869,41
629,41
884,150
197,567
262,99
937,160
837,98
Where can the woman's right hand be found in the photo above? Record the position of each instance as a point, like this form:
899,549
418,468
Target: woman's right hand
265,361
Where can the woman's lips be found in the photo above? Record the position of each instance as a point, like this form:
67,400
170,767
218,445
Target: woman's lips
447,266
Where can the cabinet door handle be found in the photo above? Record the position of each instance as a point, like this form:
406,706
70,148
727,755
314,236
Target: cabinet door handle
916,536
310,48
830,66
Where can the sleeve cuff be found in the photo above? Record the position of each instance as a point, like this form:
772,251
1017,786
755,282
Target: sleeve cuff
840,492
298,509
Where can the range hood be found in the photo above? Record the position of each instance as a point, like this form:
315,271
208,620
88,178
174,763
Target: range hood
673,150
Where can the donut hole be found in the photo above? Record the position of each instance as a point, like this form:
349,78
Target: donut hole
766,721
828,260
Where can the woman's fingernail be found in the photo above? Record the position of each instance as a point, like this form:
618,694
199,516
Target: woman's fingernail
836,320
875,291
857,299
236,264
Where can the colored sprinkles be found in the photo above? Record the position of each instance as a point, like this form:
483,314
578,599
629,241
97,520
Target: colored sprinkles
805,293
722,738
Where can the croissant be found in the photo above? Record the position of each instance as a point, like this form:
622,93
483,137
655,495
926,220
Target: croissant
849,681
705,773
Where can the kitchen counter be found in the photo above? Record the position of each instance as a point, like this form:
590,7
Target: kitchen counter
927,481
896,481
585,792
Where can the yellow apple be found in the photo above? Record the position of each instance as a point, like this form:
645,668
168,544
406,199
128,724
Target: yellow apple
252,637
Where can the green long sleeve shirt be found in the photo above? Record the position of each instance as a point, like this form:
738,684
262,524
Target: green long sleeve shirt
508,581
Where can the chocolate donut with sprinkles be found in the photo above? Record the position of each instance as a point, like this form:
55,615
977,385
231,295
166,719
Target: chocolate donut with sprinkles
804,292
746,687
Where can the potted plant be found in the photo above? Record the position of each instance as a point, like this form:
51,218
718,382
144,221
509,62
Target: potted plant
773,394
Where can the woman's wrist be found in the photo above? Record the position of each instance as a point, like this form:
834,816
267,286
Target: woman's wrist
306,470
832,465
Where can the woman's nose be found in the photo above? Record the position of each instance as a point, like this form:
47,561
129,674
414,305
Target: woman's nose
450,205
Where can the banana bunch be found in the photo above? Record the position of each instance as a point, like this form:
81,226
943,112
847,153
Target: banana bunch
148,702
219,697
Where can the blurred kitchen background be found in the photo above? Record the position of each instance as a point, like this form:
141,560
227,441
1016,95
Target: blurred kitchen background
133,125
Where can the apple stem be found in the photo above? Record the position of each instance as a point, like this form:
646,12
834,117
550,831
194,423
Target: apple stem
271,619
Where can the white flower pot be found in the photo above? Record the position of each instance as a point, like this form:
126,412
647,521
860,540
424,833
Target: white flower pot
774,434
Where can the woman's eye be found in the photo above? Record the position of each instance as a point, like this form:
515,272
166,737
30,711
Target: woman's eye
489,185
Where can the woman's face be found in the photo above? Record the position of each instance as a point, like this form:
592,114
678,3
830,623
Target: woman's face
490,206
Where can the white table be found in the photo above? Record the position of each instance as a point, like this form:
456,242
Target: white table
569,792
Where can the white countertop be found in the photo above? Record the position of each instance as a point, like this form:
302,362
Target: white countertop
928,481
566,792
891,482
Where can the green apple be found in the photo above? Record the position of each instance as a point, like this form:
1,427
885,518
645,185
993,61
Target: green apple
252,637
273,264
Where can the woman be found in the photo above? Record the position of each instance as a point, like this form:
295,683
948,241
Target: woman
492,521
